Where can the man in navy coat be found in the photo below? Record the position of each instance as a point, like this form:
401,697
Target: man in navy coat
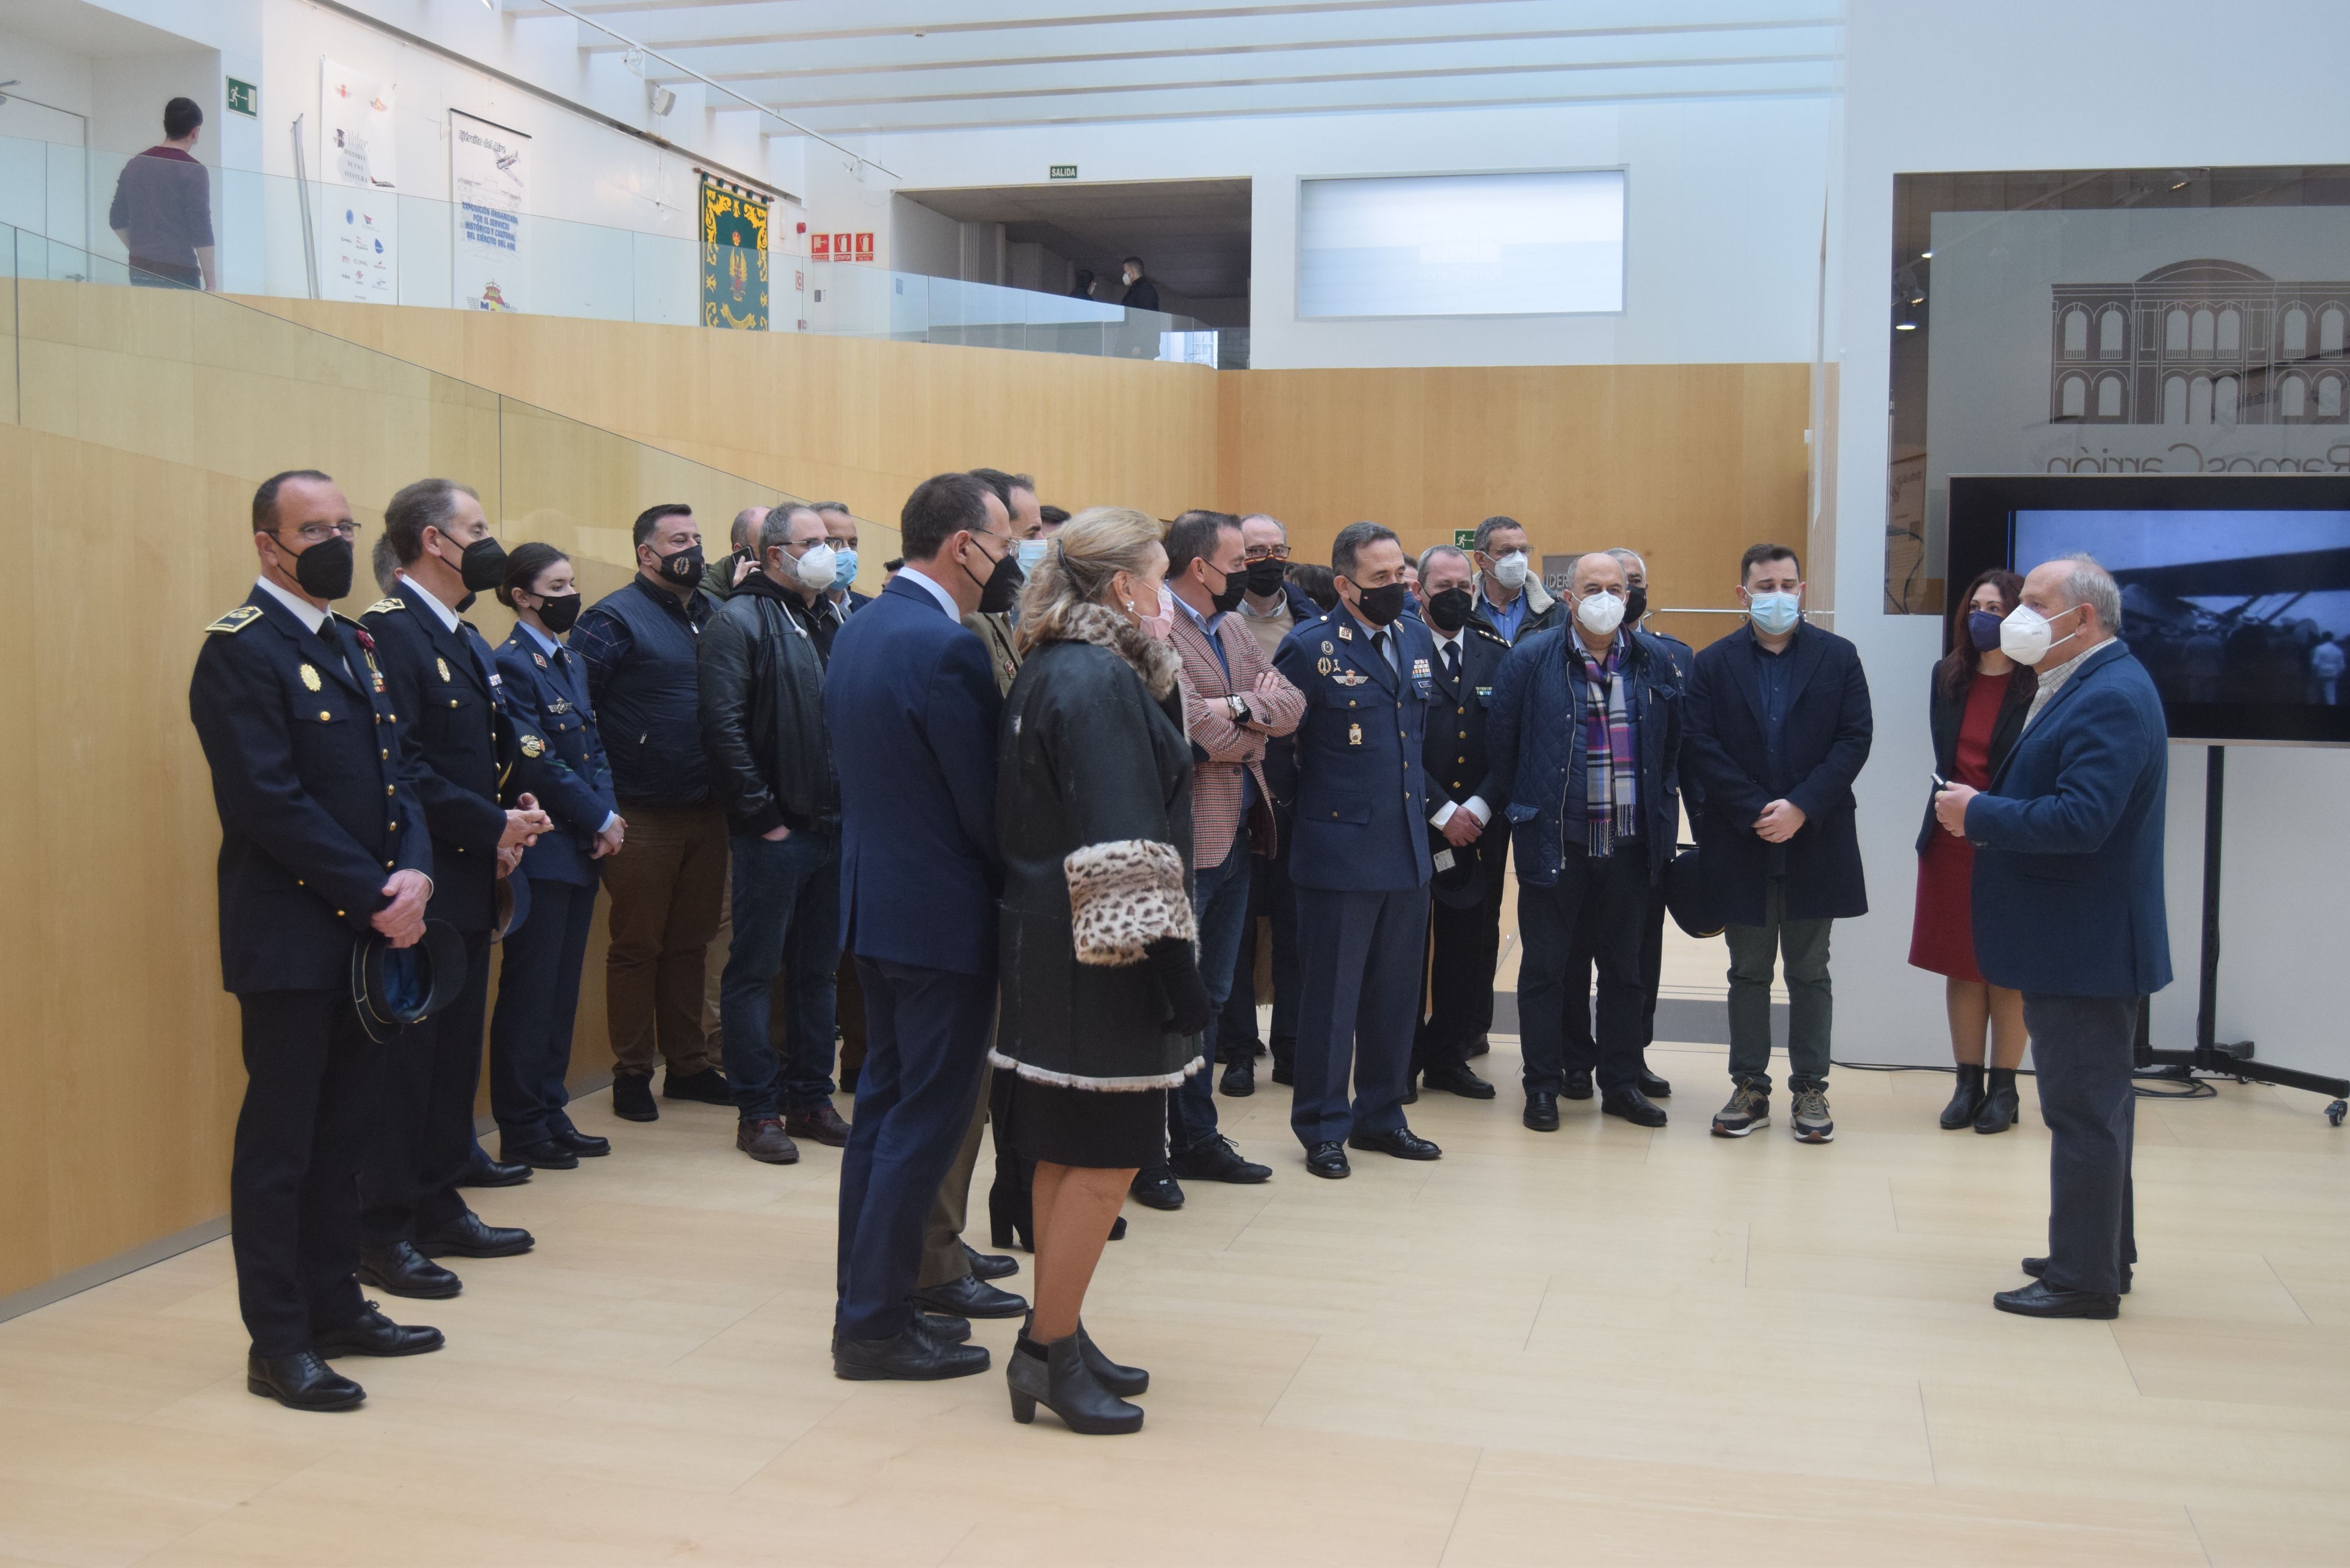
912,708
1359,857
2068,910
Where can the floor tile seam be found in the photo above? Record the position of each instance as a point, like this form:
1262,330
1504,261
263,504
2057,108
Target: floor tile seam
1460,1507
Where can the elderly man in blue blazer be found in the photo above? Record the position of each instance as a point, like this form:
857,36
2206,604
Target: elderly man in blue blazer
911,707
2068,910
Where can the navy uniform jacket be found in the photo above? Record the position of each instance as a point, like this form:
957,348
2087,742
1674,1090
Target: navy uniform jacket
464,756
1455,754
315,813
912,707
1361,822
547,694
1684,659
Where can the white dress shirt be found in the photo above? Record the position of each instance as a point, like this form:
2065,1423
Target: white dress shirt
311,616
946,599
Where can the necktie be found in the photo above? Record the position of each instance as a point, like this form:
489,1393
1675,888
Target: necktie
1380,646
332,636
1452,662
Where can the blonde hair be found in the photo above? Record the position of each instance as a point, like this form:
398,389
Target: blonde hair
1081,561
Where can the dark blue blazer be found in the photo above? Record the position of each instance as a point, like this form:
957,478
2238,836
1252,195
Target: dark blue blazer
548,695
1361,823
911,707
1724,755
316,808
2068,841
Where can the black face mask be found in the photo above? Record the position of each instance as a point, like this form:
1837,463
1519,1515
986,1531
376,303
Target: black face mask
1448,612
1235,585
1636,605
323,569
558,613
683,568
1266,576
484,564
1001,591
1381,605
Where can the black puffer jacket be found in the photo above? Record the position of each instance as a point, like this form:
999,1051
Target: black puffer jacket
1094,819
762,715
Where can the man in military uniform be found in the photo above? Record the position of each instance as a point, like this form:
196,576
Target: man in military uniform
322,842
465,757
1360,857
1468,853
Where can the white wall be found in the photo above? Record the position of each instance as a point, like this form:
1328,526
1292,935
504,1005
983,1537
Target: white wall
2007,84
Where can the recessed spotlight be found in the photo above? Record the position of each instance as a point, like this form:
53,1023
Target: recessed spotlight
1925,255
1905,327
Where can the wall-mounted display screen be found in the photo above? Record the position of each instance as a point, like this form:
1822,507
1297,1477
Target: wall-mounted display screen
1461,244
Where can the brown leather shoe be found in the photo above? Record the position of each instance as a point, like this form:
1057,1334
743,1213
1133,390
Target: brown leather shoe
819,1122
765,1141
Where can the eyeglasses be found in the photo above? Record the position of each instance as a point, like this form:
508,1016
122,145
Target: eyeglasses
1268,552
319,533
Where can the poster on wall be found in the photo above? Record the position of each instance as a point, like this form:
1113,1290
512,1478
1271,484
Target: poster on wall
488,181
359,164
734,256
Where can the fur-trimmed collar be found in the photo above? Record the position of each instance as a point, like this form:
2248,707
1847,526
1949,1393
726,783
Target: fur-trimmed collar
1156,662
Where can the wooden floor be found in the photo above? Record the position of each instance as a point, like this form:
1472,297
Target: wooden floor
1603,1346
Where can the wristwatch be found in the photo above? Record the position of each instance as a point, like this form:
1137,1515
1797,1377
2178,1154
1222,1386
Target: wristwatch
1238,707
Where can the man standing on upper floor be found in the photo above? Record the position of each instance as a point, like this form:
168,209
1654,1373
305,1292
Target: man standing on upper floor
1367,672
1465,919
1141,293
1779,726
642,644
1510,594
162,210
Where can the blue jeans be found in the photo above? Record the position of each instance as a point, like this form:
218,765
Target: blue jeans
1220,903
786,921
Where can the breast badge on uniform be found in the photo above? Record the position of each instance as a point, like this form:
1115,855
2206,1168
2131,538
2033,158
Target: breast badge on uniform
1354,734
310,677
1329,646
1420,670
443,666
1325,666
539,659
533,747
1346,634
1350,678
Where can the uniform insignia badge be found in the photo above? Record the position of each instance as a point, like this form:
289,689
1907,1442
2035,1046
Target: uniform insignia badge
379,677
1329,646
533,747
1485,691
558,706
1354,734
539,659
310,677
443,666
236,619
1324,666
1350,678
1419,669
380,606
1346,634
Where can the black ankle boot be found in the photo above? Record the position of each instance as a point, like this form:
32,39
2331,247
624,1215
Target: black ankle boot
1010,1215
1056,1376
2000,1107
1126,1382
1968,1098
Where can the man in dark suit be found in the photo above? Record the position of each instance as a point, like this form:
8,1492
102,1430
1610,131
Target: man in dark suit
912,711
2068,910
1779,726
1465,921
1360,859
467,762
322,843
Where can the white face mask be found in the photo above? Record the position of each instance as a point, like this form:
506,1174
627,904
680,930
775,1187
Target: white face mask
2026,635
1600,613
818,569
1510,570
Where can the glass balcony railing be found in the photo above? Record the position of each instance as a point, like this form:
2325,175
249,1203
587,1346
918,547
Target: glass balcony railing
284,238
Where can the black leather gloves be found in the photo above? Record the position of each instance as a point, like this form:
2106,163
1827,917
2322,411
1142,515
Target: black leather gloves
1178,968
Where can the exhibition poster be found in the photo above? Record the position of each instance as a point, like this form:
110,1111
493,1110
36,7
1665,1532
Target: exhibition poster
734,256
359,164
488,180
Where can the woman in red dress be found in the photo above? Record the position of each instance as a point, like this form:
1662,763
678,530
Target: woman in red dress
1979,698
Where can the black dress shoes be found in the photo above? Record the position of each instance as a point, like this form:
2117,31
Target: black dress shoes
1154,1187
1578,1083
1401,1142
943,1327
547,1155
969,1297
400,1270
632,1097
1328,1160
708,1086
484,1171
1633,1106
1458,1080
2038,1269
586,1146
911,1356
818,1122
2041,1299
989,1265
468,1237
1218,1160
1656,1088
372,1334
301,1382
1542,1111
1240,1078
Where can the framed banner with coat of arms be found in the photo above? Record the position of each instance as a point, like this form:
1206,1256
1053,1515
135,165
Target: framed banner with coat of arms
734,256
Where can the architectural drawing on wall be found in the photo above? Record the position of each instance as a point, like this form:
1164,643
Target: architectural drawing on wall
2199,343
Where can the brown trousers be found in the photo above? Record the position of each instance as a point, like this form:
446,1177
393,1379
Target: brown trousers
667,885
943,1259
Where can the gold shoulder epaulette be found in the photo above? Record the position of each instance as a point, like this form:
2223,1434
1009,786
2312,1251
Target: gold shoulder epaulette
236,619
382,604
1489,632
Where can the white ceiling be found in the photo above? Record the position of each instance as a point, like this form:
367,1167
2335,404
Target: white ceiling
843,66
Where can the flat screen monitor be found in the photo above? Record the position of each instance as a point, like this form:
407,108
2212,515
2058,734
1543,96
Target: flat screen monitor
2235,587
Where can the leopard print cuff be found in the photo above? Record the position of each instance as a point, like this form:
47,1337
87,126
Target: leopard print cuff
1123,896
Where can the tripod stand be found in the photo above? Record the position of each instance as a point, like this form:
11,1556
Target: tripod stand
2210,1055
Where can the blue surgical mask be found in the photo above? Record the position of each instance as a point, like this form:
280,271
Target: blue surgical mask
1775,613
1031,553
844,567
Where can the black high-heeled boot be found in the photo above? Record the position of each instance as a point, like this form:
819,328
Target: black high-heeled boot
1009,1214
1126,1382
1056,1376
1967,1099
2001,1105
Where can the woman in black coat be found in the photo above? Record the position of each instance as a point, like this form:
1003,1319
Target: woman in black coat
1103,1005
1979,700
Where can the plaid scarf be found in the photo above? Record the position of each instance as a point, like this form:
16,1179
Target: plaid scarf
1611,771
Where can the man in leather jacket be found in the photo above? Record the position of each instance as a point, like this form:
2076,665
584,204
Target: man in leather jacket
762,680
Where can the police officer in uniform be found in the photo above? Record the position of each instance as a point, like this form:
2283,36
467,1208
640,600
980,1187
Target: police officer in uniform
464,756
1360,857
322,843
1470,856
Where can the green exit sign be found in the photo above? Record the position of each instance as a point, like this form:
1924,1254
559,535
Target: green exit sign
1065,170
1464,538
244,99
